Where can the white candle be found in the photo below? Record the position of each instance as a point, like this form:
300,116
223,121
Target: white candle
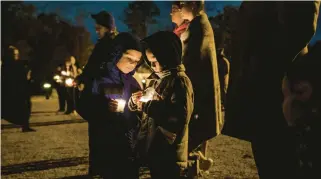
121,105
148,95
56,77
69,81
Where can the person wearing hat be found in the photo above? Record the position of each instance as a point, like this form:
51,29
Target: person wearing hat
105,24
106,31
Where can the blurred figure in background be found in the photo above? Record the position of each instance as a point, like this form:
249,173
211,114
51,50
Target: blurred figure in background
177,19
265,42
302,110
16,104
61,89
72,73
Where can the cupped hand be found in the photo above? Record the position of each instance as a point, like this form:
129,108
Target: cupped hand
136,96
112,105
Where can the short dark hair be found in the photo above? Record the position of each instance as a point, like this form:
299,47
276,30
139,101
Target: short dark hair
177,3
196,6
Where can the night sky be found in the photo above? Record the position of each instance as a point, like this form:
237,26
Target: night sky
69,9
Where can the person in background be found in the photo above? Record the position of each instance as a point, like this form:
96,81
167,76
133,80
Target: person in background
302,111
266,40
114,126
106,31
71,70
15,90
180,23
166,117
61,89
199,58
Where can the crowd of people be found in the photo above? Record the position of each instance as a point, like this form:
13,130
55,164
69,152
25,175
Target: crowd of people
67,90
268,93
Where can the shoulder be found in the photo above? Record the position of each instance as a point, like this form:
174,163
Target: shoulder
181,80
134,83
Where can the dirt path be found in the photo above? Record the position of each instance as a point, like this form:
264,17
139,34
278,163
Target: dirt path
59,148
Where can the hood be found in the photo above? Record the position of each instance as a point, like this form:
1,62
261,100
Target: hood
120,44
166,47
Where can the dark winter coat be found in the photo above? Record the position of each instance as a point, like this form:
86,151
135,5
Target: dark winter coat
113,84
15,92
99,55
267,39
171,113
199,58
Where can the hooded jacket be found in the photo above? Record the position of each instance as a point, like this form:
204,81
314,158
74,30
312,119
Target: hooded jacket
113,84
166,119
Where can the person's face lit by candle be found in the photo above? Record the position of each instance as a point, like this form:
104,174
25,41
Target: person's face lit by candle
154,63
129,61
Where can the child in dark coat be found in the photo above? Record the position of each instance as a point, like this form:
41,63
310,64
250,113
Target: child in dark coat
166,115
113,125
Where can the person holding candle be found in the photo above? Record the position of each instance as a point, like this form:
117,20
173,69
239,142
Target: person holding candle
164,126
111,119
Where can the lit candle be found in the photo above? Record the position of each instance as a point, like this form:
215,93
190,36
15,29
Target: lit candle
148,95
56,77
47,85
144,83
69,81
121,105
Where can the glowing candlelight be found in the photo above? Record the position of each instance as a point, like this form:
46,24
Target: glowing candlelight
148,95
144,83
56,77
65,73
69,81
121,105
47,85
